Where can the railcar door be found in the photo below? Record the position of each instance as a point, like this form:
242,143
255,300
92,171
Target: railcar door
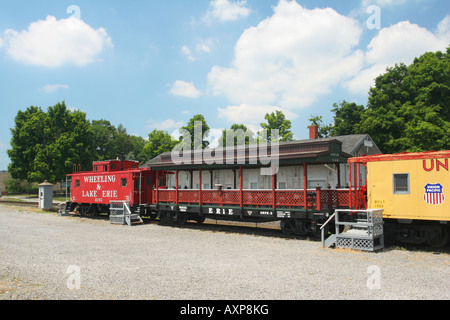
139,196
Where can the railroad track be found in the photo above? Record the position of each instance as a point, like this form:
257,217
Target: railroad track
27,204
267,229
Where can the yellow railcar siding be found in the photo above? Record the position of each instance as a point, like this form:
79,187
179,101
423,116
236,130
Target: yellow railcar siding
417,203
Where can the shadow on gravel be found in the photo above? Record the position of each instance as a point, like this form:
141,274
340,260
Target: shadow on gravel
235,228
262,231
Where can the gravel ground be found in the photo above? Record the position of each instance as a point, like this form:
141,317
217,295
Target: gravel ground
46,257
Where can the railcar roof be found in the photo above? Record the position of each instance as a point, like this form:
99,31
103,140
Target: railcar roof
289,153
403,156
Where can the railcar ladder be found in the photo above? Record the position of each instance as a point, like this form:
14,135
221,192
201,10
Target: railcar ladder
363,232
120,213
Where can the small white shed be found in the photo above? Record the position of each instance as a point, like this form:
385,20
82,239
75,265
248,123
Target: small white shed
45,195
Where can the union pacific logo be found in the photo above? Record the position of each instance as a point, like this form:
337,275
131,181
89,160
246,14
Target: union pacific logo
434,194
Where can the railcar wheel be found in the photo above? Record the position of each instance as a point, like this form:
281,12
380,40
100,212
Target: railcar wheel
438,238
180,218
165,218
200,219
287,227
84,210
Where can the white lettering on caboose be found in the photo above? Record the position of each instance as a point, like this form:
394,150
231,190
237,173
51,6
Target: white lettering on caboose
99,179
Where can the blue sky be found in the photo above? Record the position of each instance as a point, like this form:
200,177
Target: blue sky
154,64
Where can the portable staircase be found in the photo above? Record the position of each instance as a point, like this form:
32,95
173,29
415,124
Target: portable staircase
120,213
63,209
363,230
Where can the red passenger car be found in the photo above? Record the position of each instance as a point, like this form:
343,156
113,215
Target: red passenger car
115,180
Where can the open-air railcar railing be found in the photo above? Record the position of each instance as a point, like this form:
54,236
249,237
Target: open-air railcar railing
317,199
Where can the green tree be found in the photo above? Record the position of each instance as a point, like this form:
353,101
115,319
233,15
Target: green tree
408,109
240,134
110,142
27,137
347,117
196,130
276,121
159,141
45,145
104,132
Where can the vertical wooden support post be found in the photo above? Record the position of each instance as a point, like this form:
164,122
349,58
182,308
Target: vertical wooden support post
176,189
355,185
350,185
200,187
274,200
157,187
338,168
359,186
241,194
211,179
305,185
318,199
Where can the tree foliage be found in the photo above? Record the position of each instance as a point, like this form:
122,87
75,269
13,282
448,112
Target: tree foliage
159,141
276,121
409,107
196,132
45,145
240,134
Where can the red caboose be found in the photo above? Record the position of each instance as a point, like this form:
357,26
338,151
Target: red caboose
113,180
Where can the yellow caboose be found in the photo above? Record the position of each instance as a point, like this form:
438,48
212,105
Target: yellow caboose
413,189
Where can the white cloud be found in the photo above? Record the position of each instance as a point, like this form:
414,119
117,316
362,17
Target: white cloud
290,58
381,3
185,89
49,88
53,43
250,114
225,10
201,46
444,27
399,43
214,135
188,53
204,45
165,124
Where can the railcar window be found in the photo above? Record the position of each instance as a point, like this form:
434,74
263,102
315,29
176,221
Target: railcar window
124,182
77,183
137,184
113,166
401,183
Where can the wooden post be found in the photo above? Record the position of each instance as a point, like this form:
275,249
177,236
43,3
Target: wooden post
200,187
338,168
350,185
157,187
211,180
176,181
318,199
305,185
274,182
241,194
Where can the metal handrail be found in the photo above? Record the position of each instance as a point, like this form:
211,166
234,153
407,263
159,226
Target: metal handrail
322,230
